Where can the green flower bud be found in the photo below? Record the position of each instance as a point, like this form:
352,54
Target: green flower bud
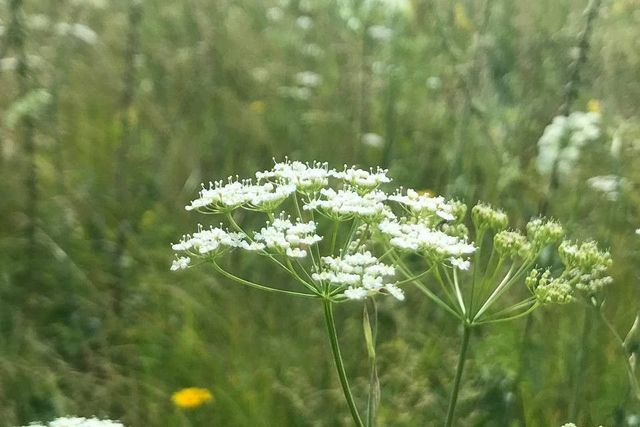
586,266
458,209
549,290
484,217
543,232
457,230
512,244
556,291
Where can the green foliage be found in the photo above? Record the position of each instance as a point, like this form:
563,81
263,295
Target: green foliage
452,98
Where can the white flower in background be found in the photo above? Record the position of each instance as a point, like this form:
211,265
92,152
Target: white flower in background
8,64
96,4
79,31
275,14
372,140
38,21
308,79
299,93
260,74
638,231
434,83
422,239
607,184
289,237
380,32
345,204
304,176
304,22
563,140
77,422
362,272
361,178
312,50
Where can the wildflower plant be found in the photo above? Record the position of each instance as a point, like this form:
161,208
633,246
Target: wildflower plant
343,235
501,280
77,422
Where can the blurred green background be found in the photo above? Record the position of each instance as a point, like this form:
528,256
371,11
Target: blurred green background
113,112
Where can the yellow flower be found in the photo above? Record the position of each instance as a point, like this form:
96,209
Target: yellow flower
257,106
460,18
593,106
191,397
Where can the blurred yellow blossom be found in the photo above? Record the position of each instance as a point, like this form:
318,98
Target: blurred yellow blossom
593,106
191,397
460,18
257,106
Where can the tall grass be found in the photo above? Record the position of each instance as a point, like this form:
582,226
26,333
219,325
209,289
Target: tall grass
459,92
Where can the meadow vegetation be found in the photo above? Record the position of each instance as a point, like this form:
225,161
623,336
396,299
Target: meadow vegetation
112,114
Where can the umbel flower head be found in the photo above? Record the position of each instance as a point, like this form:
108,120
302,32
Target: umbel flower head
344,235
326,228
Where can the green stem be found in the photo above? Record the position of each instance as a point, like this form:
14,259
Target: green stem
580,365
337,356
371,332
456,382
635,386
257,286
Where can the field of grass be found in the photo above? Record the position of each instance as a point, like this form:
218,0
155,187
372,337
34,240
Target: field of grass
113,112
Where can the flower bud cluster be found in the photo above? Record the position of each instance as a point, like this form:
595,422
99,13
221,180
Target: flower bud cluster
586,265
543,232
485,217
585,271
511,244
547,289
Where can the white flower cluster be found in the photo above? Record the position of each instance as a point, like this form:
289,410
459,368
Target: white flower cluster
362,272
288,237
563,139
609,185
430,226
77,422
360,178
221,197
432,243
213,241
345,204
421,204
304,176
